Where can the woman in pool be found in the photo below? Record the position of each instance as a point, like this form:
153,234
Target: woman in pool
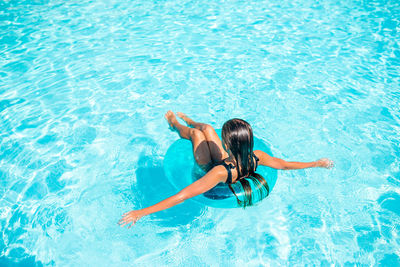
228,161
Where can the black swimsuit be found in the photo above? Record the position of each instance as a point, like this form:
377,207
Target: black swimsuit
230,166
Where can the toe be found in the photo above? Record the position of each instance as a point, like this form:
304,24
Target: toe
168,114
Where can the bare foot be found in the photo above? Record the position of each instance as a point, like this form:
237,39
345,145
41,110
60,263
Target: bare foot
184,117
170,116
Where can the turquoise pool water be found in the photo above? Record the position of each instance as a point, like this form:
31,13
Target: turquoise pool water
84,86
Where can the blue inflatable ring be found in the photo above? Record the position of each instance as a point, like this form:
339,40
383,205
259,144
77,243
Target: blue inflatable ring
182,170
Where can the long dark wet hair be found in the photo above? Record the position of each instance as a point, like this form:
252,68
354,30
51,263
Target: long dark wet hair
237,136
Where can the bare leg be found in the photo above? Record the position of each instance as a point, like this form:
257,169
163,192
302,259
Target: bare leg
217,151
201,151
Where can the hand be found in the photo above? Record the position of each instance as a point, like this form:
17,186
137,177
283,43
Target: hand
324,163
130,217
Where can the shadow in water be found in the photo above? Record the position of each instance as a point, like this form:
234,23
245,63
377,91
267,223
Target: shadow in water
153,186
29,261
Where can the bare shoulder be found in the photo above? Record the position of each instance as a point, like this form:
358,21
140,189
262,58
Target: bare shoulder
265,159
219,172
260,153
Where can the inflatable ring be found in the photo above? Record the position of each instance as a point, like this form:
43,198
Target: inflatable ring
182,170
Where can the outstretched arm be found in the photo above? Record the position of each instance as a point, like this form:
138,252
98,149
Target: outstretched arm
281,164
212,178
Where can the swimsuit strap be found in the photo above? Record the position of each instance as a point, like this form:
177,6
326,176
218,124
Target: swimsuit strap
257,159
228,168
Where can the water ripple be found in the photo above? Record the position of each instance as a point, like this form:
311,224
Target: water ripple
83,89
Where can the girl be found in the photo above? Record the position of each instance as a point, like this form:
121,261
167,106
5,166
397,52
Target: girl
228,161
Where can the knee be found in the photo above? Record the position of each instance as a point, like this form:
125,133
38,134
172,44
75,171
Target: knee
195,133
206,128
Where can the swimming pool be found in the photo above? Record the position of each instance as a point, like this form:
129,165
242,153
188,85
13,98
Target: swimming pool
84,86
